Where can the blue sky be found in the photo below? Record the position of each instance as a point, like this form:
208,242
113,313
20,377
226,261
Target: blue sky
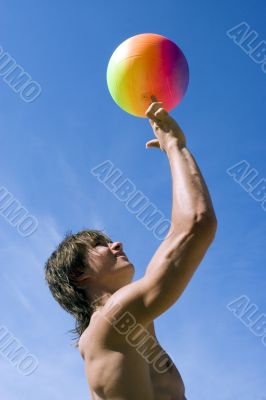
49,146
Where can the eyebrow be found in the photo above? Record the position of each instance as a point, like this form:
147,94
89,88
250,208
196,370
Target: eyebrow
102,240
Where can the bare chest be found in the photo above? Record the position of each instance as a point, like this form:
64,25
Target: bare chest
131,368
129,375
167,383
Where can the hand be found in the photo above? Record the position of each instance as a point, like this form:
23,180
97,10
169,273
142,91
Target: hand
165,128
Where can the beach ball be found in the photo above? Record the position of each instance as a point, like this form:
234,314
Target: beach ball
145,67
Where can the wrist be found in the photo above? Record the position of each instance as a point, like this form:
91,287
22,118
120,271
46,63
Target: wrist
173,143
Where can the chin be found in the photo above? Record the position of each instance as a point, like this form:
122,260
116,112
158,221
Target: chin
129,271
131,267
124,261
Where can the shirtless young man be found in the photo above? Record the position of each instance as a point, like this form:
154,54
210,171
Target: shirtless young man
91,277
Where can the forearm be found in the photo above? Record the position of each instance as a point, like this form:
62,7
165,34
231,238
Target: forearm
192,205
191,200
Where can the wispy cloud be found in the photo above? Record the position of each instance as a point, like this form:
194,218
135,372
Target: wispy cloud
16,291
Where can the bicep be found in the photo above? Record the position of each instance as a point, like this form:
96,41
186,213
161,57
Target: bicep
166,277
170,271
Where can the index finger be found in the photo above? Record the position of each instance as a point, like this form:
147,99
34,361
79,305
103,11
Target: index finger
153,108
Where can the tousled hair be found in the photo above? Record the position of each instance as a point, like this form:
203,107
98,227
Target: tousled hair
64,266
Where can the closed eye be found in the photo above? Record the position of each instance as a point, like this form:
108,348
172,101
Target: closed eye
101,243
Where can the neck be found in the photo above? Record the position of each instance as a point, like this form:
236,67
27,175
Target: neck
98,296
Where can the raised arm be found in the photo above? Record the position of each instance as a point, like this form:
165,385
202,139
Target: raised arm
192,209
193,227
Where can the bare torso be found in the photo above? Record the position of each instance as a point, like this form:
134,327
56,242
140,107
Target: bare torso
115,370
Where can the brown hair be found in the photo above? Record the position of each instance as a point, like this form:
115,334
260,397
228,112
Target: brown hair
62,268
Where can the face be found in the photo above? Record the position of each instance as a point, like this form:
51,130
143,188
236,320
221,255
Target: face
109,265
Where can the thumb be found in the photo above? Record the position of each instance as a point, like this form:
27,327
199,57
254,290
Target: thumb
153,143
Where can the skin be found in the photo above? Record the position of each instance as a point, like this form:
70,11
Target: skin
114,368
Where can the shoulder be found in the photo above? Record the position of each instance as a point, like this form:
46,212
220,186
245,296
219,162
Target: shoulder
98,335
125,303
103,331
87,335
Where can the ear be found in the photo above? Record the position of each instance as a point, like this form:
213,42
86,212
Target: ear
82,280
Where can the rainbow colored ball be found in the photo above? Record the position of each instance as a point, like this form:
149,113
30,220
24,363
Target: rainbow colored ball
145,67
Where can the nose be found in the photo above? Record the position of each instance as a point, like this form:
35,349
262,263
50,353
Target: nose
116,247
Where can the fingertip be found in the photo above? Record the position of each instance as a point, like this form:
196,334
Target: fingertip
152,108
